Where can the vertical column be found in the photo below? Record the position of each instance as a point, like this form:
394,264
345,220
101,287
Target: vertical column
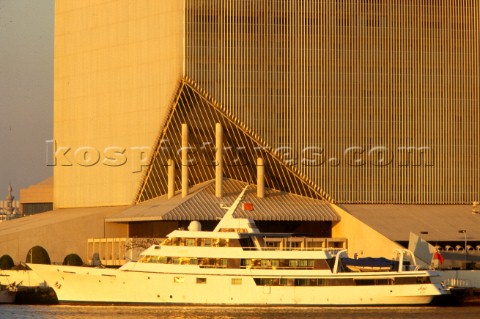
260,178
184,160
219,160
171,178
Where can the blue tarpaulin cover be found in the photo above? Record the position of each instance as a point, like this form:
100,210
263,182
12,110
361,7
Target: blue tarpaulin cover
370,262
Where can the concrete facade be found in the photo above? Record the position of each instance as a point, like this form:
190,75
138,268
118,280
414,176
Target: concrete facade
375,101
117,65
362,239
60,232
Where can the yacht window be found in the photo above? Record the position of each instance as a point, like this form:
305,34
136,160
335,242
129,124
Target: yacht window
247,243
201,280
302,282
246,262
294,244
143,259
373,282
154,259
406,280
423,280
223,243
207,242
322,282
190,242
302,263
321,264
267,281
365,282
236,281
149,259
315,244
193,261
233,230
272,244
331,263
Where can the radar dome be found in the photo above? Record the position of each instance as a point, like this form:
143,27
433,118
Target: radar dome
195,226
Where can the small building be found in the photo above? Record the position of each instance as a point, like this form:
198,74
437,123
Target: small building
10,208
37,198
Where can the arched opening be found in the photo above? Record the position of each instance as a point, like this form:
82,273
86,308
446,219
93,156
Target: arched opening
38,255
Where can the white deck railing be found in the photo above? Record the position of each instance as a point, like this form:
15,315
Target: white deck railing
116,251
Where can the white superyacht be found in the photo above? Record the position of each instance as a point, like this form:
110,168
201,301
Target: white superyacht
236,264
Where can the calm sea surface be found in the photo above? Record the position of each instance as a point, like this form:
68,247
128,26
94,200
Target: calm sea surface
124,312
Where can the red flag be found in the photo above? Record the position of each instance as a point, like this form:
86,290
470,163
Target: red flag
248,206
438,256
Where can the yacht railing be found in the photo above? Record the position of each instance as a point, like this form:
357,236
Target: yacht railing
300,243
116,251
330,250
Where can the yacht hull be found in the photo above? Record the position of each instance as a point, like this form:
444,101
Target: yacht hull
113,286
7,297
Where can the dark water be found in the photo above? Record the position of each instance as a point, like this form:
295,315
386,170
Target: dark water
169,312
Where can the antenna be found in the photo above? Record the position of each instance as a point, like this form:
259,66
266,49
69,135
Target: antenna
229,214
231,209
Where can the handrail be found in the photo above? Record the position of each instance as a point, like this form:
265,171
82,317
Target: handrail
401,253
326,249
337,260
